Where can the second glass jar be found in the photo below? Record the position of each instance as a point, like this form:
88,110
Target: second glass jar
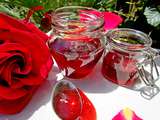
126,53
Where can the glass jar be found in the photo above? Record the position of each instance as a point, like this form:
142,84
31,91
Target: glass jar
77,41
129,60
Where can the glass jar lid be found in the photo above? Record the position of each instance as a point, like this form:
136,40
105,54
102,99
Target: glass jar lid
129,39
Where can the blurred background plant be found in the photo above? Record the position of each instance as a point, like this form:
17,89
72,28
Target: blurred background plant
143,15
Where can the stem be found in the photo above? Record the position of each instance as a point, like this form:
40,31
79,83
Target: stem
32,11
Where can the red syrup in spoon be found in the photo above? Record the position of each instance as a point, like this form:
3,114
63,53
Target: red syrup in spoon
119,68
70,103
88,110
76,56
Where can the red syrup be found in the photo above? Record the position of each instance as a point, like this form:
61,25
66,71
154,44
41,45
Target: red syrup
88,110
76,56
69,105
118,67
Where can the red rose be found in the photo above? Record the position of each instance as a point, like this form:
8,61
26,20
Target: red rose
24,63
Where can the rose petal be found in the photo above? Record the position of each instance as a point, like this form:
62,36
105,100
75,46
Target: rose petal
6,72
37,31
16,52
16,84
46,68
112,20
31,79
14,106
3,23
11,94
9,22
126,114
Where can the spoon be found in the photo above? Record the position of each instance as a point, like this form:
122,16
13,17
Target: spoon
70,103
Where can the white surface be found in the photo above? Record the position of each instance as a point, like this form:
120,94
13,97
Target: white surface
107,98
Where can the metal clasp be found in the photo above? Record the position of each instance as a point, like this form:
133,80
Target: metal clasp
149,77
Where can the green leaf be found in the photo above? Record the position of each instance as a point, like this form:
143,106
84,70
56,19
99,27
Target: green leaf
8,11
153,16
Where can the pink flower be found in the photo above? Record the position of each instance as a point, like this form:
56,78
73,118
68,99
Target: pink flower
112,20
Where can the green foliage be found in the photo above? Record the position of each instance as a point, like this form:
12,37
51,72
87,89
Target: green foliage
135,7
48,4
8,10
153,16
19,8
106,5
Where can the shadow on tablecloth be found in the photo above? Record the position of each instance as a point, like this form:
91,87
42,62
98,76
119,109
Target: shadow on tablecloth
95,82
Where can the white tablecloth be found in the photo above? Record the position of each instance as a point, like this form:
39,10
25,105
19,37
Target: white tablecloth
107,98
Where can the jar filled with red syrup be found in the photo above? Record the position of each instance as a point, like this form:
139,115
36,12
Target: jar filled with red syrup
77,41
127,55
